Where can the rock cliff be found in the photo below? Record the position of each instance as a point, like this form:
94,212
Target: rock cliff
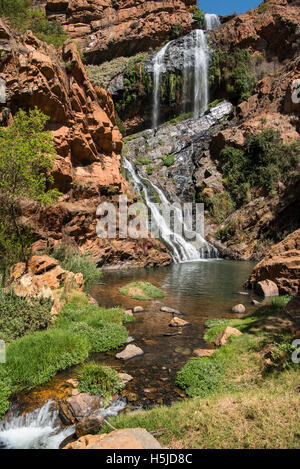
106,29
87,169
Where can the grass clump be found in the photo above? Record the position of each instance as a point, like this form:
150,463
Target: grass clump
20,317
34,359
107,336
99,380
199,377
76,262
142,291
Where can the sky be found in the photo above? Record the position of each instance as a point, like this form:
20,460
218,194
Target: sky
225,7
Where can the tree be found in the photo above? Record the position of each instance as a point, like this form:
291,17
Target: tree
26,158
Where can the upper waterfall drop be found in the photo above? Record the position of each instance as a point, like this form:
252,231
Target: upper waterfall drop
212,21
158,68
201,86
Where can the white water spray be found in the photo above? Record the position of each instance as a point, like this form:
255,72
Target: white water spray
158,68
181,250
201,91
211,21
42,428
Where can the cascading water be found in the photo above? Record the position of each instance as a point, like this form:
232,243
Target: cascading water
212,21
201,73
42,428
181,250
158,68
39,429
195,89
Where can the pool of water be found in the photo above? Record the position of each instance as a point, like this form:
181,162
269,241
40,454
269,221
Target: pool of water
200,290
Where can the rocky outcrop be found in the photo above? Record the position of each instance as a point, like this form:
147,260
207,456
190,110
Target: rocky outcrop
128,438
87,169
106,29
43,278
78,407
281,265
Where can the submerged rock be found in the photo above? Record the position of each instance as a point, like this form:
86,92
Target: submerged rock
178,322
130,351
166,309
125,377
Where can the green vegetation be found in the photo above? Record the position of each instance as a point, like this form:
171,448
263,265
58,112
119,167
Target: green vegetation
176,31
76,262
251,380
181,117
24,16
168,160
232,72
199,16
142,161
142,291
99,380
199,377
20,317
228,231
26,158
219,206
263,7
262,163
81,328
34,359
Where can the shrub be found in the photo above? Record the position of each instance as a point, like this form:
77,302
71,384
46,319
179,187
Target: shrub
168,160
199,377
279,303
35,358
263,162
99,380
5,391
20,317
220,206
199,17
76,262
142,291
227,232
233,73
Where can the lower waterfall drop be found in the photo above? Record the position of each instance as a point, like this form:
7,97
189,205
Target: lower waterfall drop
181,250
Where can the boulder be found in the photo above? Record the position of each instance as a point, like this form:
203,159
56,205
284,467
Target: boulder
225,334
166,309
178,322
239,309
78,406
281,265
128,438
266,288
125,377
255,302
138,309
89,425
130,351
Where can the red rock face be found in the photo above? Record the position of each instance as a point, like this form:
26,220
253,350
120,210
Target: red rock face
281,265
105,29
88,143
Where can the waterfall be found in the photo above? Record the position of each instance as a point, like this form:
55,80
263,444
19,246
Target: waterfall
211,21
201,91
195,88
181,250
39,429
158,68
42,428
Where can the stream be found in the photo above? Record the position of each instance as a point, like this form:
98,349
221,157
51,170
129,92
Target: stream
200,290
